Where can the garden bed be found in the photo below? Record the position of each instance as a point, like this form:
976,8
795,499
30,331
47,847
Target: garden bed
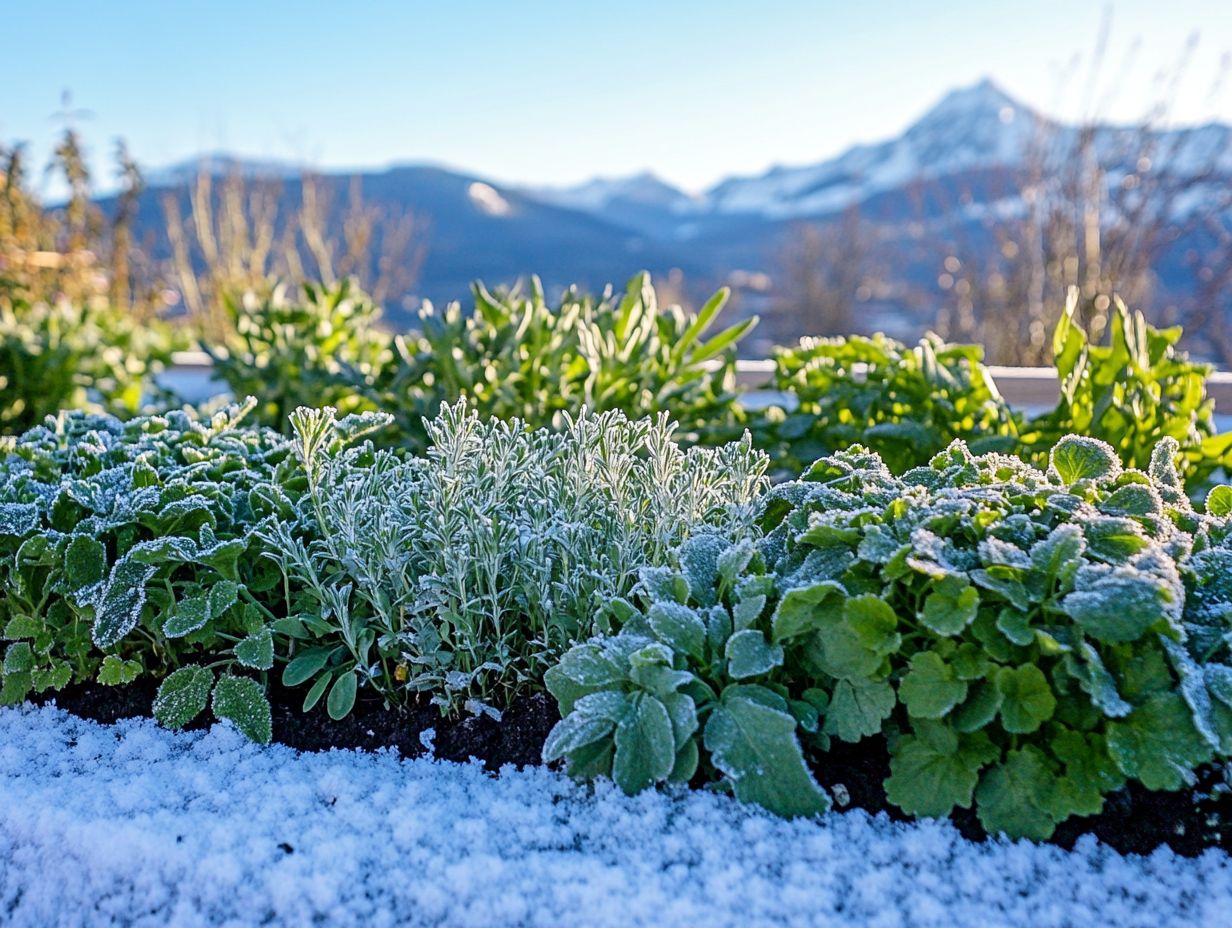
1134,821
134,824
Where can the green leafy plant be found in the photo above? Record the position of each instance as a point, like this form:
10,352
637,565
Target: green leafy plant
516,356
693,681
126,551
64,355
1020,637
299,349
463,575
905,403
1132,392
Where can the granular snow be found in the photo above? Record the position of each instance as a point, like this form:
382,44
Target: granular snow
132,824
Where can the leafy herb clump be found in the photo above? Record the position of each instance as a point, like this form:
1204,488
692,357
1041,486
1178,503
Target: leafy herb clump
514,355
302,348
125,551
905,403
463,575
1132,392
67,355
1019,636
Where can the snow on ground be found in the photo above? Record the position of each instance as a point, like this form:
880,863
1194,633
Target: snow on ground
134,824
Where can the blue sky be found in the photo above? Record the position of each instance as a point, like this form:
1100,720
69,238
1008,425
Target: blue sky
556,92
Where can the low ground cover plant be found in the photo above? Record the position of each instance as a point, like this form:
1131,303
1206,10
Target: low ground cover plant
1020,637
125,552
464,574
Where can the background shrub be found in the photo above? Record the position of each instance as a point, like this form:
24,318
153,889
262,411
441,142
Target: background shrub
905,403
302,348
515,356
76,355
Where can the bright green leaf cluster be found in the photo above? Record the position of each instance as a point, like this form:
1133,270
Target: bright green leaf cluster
300,349
515,355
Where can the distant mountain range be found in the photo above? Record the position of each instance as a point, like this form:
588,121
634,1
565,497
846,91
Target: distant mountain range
965,160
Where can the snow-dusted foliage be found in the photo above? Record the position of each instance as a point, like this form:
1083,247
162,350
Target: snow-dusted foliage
1021,637
464,574
133,825
122,553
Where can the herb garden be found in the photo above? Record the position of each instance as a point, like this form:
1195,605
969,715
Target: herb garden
550,535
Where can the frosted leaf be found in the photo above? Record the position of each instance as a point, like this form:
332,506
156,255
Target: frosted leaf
699,561
18,518
243,702
256,651
120,601
678,626
1117,604
187,616
183,696
1077,457
749,654
756,748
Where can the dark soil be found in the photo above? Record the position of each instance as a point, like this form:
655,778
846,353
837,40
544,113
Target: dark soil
1134,821
517,739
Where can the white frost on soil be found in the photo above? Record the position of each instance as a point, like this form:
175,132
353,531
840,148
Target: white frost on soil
137,825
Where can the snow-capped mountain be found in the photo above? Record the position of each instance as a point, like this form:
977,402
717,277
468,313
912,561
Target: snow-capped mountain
975,127
949,178
972,129
645,189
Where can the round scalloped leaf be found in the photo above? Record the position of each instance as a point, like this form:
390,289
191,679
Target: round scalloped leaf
1014,797
947,613
935,770
931,687
1026,698
1077,457
858,707
1158,743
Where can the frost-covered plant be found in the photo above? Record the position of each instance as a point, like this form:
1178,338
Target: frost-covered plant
1021,637
465,574
125,551
693,681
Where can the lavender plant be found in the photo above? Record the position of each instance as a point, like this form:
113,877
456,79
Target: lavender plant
466,573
